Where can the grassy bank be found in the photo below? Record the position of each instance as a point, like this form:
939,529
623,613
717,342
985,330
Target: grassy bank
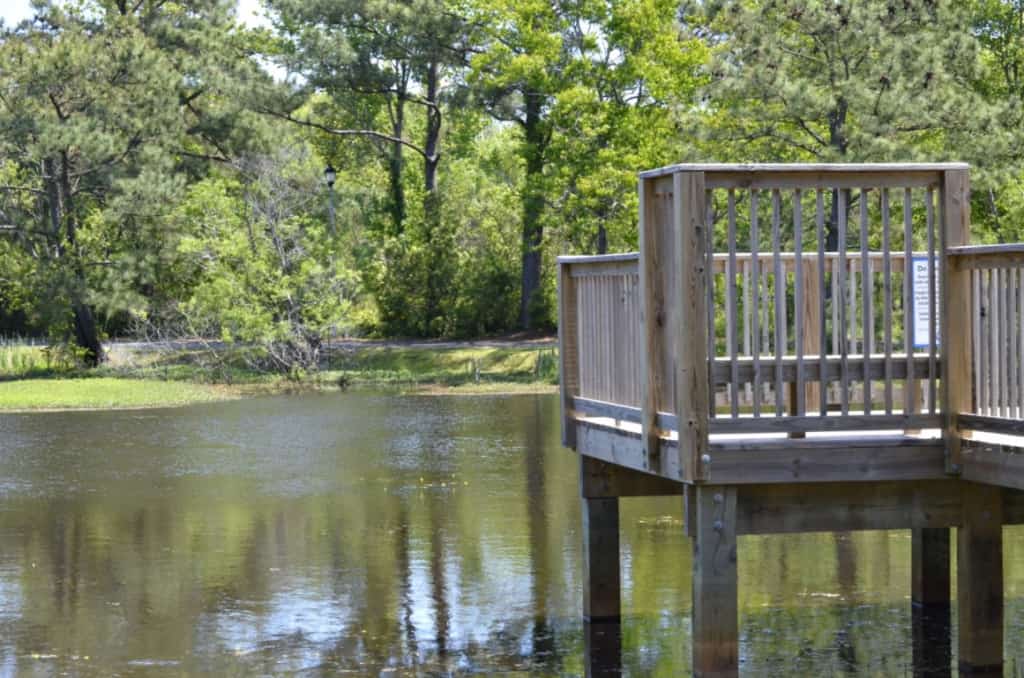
36,378
104,393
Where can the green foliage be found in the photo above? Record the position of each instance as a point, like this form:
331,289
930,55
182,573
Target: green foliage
155,179
267,269
827,81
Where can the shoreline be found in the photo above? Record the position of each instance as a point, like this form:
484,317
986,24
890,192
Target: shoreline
163,379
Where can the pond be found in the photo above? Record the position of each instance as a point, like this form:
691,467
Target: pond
383,534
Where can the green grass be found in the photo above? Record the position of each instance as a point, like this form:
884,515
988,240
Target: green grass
19,360
466,368
103,393
34,378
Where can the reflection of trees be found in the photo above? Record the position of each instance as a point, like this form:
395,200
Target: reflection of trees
846,574
534,440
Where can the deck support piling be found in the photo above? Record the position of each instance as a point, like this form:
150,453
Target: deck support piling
601,579
715,603
930,601
979,553
602,647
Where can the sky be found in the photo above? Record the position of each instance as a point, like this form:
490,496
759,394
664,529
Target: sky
13,11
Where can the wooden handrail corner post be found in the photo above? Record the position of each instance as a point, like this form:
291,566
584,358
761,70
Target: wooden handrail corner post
691,331
652,320
568,351
956,312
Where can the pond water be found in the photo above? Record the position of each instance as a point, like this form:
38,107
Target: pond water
381,534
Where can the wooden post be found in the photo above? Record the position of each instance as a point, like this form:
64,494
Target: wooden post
810,313
980,581
653,371
601,580
956,315
692,387
602,645
715,625
568,351
930,597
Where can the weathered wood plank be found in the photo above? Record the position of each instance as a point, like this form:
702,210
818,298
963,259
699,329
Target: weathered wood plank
601,572
568,351
780,301
692,388
930,598
802,313
910,384
842,327
715,600
979,422
653,369
819,219
957,312
980,580
933,290
736,465
603,479
623,448
887,298
929,569
866,296
810,180
993,464
754,312
731,314
835,422
792,508
829,169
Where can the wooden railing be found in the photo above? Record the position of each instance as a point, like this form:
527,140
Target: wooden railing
997,337
742,315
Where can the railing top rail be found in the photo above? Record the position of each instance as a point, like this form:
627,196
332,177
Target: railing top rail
598,258
975,250
846,168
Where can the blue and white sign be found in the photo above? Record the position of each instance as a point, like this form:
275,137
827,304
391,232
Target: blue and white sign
921,310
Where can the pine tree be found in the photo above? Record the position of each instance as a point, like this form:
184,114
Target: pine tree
841,81
105,107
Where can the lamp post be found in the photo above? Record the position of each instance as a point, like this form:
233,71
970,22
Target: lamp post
330,176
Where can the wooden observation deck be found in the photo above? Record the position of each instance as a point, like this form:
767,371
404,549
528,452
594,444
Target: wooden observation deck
802,348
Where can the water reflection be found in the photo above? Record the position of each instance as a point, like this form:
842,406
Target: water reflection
378,533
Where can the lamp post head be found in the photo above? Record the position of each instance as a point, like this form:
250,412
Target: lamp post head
330,175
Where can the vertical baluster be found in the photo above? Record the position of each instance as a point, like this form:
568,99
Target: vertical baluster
836,303
755,279
872,341
709,225
851,297
909,385
1009,303
887,292
748,387
979,393
841,329
731,310
819,219
866,311
798,300
1004,382
780,296
993,341
932,298
1020,343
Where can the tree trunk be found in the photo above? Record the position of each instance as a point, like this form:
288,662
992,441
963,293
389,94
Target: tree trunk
86,333
432,201
395,165
533,207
